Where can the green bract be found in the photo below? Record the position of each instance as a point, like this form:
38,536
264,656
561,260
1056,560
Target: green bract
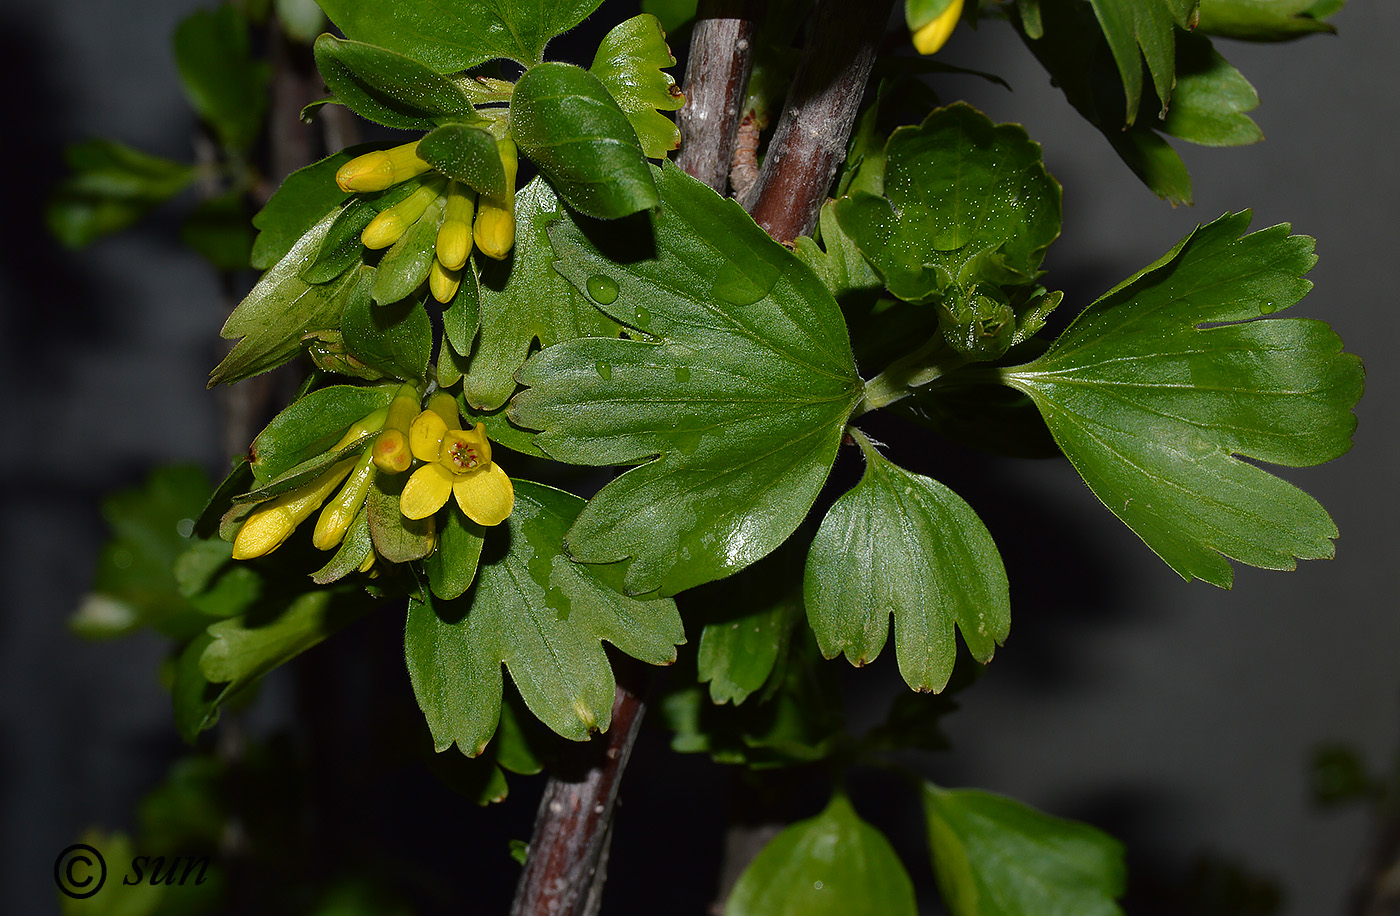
1155,389
732,400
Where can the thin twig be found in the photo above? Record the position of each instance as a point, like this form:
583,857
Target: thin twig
716,76
810,139
566,865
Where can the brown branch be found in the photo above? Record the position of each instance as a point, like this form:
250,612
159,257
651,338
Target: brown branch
810,139
716,77
566,865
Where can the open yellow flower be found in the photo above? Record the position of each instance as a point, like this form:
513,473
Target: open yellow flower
457,463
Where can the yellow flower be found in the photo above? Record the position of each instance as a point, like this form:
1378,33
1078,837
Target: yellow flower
457,463
934,34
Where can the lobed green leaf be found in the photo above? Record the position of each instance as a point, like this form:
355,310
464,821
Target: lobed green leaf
1157,390
903,545
543,617
630,62
733,404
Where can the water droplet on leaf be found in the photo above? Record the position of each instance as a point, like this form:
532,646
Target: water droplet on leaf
604,371
643,316
601,289
682,373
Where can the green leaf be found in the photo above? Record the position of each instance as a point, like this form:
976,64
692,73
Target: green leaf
1158,389
387,87
834,864
1073,49
741,644
302,201
112,186
220,76
451,35
195,700
280,309
469,154
965,201
795,719
357,547
1211,97
567,122
734,405
342,248
133,585
404,267
1265,20
1143,29
541,616
241,650
451,568
997,857
396,538
312,425
903,544
629,63
396,339
518,747
523,300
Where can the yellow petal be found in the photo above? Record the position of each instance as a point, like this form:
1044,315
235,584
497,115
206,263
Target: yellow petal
485,496
934,34
425,435
426,491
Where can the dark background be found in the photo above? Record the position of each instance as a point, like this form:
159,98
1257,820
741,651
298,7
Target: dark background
1179,716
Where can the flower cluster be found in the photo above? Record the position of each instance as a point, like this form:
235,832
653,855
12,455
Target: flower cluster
451,462
463,217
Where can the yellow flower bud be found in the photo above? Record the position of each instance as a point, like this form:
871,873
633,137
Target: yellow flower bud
494,229
272,523
454,238
445,405
386,228
443,283
381,169
390,452
336,517
934,34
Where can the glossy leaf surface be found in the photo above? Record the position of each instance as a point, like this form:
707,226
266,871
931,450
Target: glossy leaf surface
387,87
451,35
543,617
303,199
280,309
467,153
834,864
997,857
1139,30
312,425
630,62
733,405
964,200
903,545
569,125
524,300
1158,389
396,339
